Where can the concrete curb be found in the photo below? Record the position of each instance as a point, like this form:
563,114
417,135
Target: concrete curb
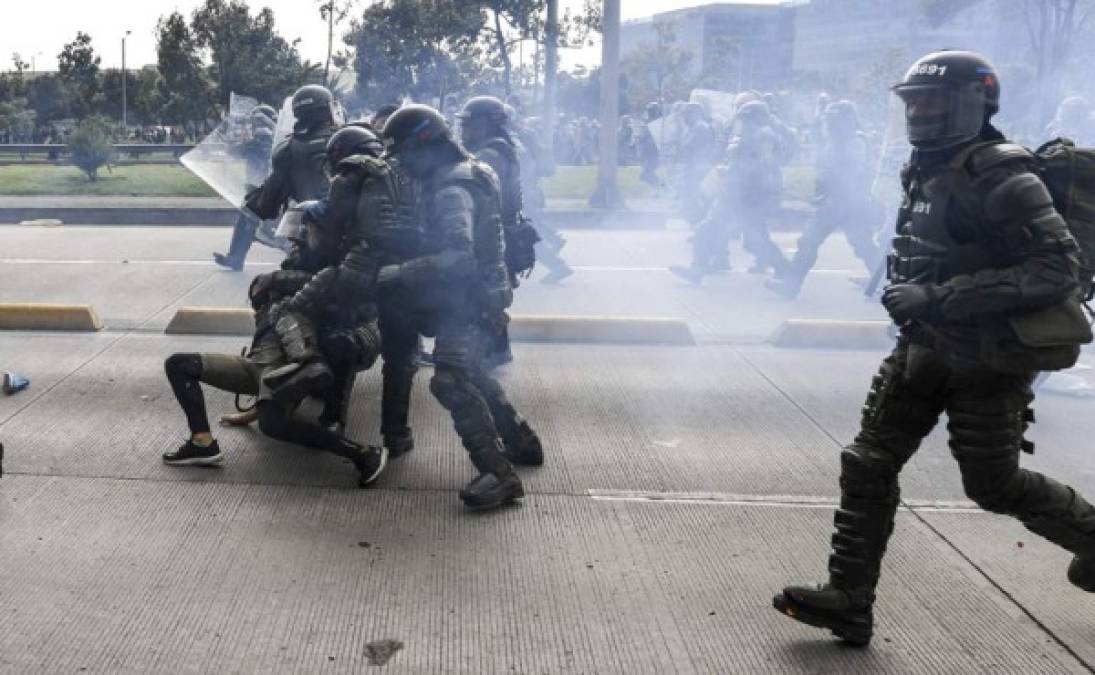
40,316
833,334
212,321
527,328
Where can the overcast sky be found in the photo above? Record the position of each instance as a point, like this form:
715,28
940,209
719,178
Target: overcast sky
39,28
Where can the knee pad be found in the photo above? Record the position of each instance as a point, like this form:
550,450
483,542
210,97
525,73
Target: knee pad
869,473
445,386
994,484
183,365
273,420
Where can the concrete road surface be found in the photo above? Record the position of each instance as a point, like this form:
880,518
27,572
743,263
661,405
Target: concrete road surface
683,487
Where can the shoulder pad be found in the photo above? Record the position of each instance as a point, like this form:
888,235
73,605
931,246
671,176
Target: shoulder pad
363,164
1017,196
281,151
988,157
456,172
502,147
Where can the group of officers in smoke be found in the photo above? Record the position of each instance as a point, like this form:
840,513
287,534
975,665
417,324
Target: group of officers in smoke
750,190
406,233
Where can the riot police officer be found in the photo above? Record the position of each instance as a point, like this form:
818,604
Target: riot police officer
843,199
483,132
298,161
750,190
256,151
981,260
456,289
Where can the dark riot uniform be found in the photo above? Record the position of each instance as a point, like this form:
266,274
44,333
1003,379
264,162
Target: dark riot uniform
456,288
297,173
844,201
500,154
980,251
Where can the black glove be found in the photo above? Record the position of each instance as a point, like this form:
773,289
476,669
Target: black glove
260,289
905,302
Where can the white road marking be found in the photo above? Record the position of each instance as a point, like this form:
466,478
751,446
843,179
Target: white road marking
56,261
771,501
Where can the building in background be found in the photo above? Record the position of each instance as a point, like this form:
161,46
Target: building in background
753,39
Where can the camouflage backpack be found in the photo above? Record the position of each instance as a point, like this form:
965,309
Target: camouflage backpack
1069,173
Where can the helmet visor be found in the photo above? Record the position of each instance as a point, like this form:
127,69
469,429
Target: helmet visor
938,116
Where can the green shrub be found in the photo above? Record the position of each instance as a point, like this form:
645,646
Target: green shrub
91,147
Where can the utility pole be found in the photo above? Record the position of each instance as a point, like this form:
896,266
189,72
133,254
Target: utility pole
607,194
125,120
551,69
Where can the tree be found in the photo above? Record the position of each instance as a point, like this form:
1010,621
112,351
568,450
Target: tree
184,90
333,12
91,147
658,70
78,68
49,98
248,55
424,49
16,120
1052,26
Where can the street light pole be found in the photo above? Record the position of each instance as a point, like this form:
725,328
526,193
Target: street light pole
125,120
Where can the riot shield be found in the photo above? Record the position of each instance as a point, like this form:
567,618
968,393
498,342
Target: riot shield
231,159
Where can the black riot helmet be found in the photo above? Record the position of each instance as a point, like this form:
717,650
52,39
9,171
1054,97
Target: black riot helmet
313,104
420,137
484,107
841,120
948,97
482,118
349,141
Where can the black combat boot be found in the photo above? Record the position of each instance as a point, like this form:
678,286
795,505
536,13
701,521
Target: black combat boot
398,444
789,286
847,615
497,483
523,447
1081,572
844,605
690,274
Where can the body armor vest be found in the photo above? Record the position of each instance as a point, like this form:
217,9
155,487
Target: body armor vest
509,180
307,154
487,233
938,225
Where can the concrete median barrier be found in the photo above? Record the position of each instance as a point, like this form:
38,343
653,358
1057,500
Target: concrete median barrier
528,328
833,334
212,321
41,316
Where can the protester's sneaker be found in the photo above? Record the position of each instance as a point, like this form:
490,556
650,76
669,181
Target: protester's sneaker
192,454
370,462
234,264
14,383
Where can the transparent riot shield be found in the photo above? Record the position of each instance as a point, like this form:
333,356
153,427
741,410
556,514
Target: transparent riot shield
886,189
231,159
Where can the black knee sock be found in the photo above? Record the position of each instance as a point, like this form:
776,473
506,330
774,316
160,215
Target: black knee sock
183,372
